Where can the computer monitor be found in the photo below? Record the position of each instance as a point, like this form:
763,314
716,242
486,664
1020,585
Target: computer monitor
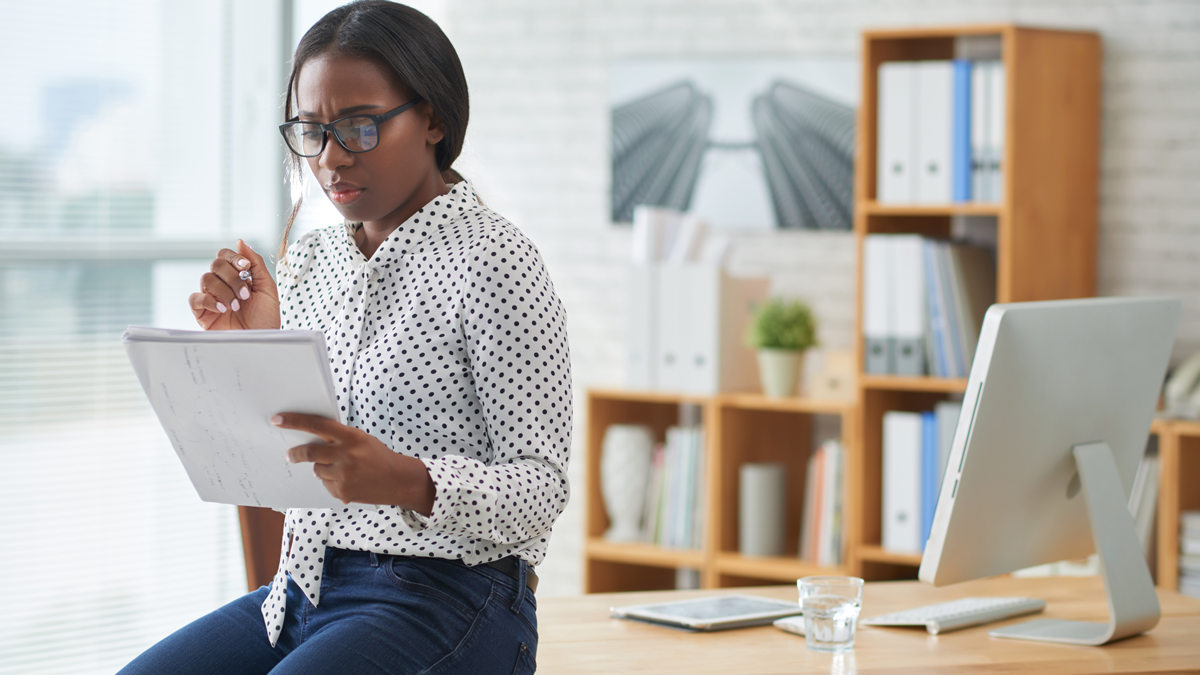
1054,422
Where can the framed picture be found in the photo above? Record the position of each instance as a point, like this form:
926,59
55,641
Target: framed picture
743,144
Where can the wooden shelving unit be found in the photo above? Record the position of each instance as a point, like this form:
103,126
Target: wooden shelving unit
1178,490
1045,249
738,428
1045,223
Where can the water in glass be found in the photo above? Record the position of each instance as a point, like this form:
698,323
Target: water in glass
830,621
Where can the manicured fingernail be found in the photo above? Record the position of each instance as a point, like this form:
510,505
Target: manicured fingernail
222,308
235,305
245,293
242,263
277,420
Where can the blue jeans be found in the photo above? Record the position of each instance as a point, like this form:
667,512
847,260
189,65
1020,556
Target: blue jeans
378,614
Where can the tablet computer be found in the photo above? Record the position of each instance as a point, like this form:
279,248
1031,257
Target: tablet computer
720,612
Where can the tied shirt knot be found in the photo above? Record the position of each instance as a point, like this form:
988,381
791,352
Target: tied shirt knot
303,545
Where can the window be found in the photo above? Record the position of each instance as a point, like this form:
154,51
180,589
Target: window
138,138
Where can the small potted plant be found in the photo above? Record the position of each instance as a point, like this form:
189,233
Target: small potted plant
781,331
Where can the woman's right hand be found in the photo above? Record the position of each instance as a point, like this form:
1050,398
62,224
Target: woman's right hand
225,302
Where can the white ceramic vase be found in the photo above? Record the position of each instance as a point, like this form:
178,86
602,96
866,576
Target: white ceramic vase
624,472
779,370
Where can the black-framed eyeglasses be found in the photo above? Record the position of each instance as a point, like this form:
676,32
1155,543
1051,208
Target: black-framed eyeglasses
356,133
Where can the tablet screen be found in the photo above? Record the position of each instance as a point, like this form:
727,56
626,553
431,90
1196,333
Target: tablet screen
718,608
725,611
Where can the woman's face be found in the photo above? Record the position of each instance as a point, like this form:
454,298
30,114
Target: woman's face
385,181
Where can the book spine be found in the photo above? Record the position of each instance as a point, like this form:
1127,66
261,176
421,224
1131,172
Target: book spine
806,517
700,502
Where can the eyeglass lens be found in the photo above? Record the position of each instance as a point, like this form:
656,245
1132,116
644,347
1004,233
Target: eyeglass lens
356,134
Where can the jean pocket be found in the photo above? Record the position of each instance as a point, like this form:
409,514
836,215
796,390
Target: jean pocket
526,663
429,579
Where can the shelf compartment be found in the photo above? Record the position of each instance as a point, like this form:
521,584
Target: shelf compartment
620,396
613,567
867,473
879,554
811,406
924,384
783,569
1178,490
957,209
657,410
1182,427
758,435
648,555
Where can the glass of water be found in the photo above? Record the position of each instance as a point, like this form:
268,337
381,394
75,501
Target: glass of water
831,606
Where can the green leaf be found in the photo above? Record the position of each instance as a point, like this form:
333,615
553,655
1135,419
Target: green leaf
782,324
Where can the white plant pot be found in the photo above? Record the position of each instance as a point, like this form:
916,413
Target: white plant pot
779,370
624,472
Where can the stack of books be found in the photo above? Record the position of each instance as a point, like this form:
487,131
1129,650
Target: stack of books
821,521
941,132
673,515
1189,553
923,304
916,448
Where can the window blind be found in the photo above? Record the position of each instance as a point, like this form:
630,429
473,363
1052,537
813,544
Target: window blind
116,188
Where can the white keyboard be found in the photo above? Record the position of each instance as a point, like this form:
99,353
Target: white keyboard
948,616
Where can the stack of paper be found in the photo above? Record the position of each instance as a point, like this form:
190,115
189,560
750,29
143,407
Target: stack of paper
674,508
821,521
214,394
916,447
940,132
923,304
1189,550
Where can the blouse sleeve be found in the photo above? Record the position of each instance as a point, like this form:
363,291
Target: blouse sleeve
515,330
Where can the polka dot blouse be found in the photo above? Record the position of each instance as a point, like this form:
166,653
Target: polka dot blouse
449,345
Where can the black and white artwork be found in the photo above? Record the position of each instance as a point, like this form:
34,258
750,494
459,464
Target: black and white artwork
744,144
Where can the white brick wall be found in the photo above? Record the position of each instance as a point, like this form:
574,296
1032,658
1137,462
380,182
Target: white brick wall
538,150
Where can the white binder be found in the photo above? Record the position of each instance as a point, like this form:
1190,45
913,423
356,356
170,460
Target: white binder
947,414
908,269
934,138
902,482
996,118
641,326
878,347
896,128
671,323
703,316
980,92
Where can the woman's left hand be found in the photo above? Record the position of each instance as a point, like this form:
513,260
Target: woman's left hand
357,467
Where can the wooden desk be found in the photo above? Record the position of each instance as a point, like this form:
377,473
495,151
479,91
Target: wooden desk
577,636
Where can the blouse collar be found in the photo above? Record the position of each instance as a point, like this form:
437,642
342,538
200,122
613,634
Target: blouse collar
437,214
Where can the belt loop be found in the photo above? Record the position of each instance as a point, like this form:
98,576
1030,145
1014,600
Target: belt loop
522,569
374,559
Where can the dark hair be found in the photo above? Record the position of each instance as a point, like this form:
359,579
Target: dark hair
409,45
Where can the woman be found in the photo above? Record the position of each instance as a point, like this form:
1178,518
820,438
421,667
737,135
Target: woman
449,355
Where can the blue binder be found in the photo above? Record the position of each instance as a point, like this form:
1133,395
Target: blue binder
929,473
961,149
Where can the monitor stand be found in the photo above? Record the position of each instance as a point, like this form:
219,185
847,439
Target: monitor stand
1132,603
